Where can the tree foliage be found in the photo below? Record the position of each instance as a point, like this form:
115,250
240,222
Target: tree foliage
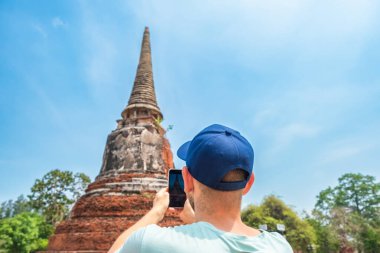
360,193
25,232
273,211
370,238
327,240
350,212
56,192
11,208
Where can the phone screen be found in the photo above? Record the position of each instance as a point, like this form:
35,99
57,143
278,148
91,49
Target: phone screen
176,189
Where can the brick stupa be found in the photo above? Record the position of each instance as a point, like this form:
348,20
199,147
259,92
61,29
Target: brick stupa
136,160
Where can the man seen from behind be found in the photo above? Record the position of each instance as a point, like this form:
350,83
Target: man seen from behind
218,172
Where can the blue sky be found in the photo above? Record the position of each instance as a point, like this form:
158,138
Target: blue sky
300,79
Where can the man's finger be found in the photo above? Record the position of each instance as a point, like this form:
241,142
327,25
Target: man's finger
177,210
166,189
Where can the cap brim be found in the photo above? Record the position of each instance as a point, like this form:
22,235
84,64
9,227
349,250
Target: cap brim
182,151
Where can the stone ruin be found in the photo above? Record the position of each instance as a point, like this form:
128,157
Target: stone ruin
136,161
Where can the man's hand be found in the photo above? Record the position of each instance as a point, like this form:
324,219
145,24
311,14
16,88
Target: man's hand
187,215
154,216
161,203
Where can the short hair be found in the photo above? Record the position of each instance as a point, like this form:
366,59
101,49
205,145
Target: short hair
235,175
231,198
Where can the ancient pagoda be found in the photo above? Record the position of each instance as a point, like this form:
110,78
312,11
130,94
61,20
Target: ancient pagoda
136,160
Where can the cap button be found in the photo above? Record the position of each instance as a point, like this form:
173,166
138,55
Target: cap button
228,133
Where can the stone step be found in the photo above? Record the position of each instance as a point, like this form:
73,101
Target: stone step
136,185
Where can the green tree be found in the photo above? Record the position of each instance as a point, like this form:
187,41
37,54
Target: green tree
24,233
6,209
360,193
327,239
325,202
56,192
370,238
366,233
273,211
350,211
345,227
11,208
21,205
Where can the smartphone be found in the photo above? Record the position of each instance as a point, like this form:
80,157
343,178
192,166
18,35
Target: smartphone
177,194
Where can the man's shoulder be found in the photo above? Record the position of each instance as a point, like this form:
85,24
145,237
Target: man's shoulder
199,236
276,241
182,238
185,230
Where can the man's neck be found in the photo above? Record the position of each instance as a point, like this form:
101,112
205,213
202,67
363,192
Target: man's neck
221,219
228,220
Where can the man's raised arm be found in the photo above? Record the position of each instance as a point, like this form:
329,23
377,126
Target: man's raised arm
154,216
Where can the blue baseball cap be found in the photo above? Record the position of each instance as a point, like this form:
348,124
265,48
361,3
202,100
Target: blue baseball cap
214,152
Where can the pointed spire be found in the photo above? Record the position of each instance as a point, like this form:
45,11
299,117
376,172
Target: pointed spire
143,94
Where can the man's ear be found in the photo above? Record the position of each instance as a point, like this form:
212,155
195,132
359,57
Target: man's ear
188,180
249,184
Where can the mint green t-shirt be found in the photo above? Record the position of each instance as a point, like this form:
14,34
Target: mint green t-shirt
201,237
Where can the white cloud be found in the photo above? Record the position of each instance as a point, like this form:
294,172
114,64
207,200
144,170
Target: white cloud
344,150
261,117
48,104
296,34
100,53
100,60
287,134
57,22
40,30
